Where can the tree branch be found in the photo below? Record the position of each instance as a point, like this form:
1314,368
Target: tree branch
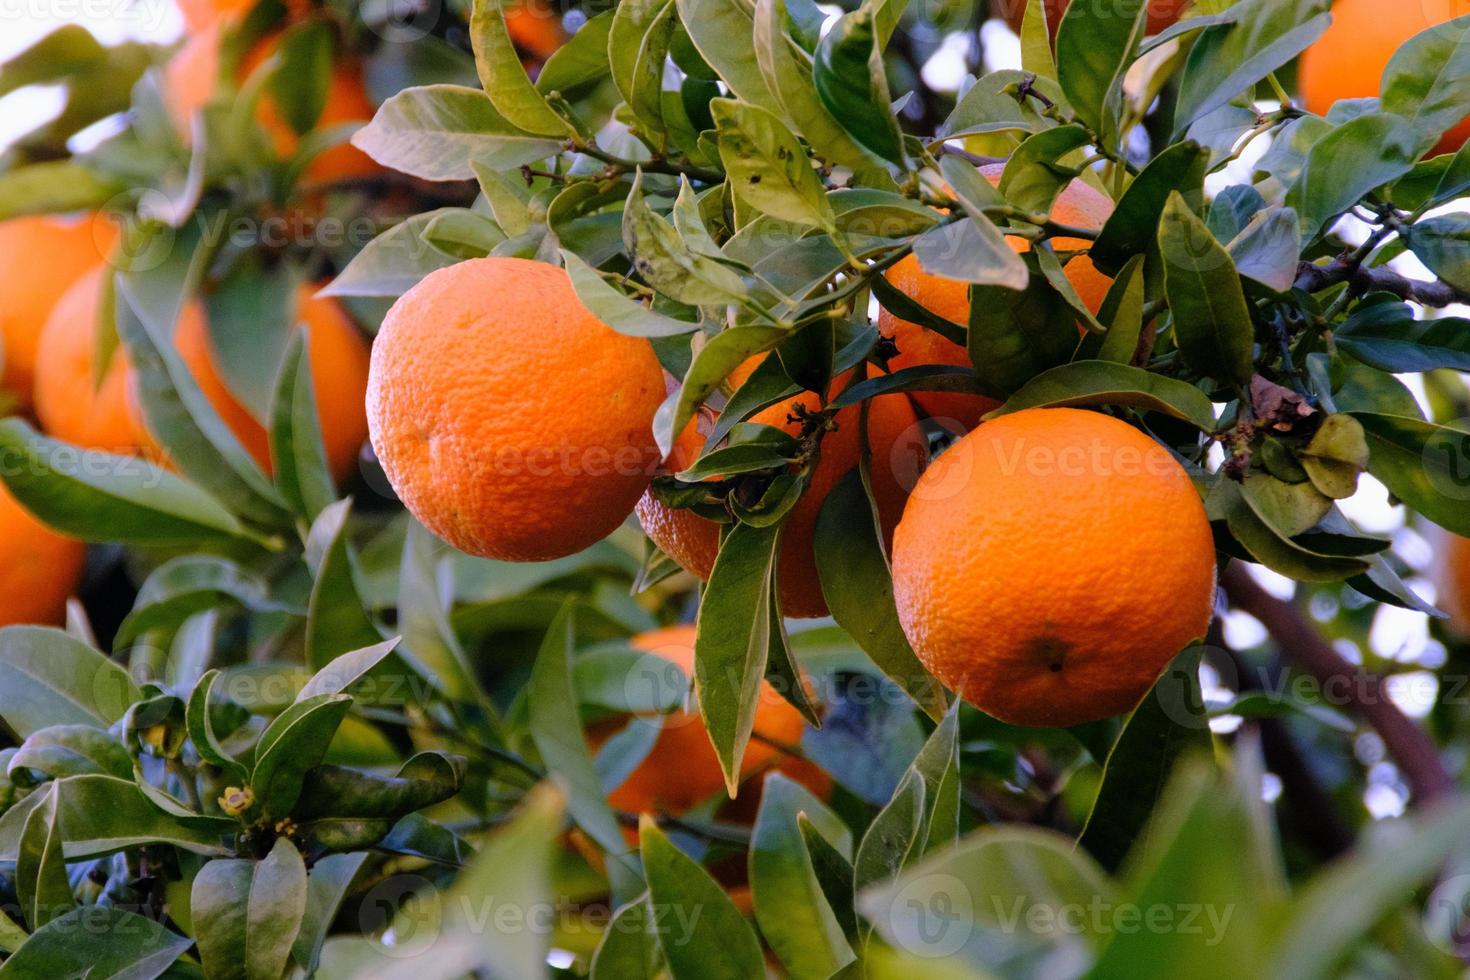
1363,692
1363,279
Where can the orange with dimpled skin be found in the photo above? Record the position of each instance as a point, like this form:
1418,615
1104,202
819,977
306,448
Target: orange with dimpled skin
1050,564
511,421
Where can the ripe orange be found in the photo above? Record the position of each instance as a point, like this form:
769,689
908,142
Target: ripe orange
1050,564
689,539
899,449
69,403
535,27
511,421
1450,573
1079,204
39,569
201,14
338,357
1161,13
191,75
681,771
1348,61
40,258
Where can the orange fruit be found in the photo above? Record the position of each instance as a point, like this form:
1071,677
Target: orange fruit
192,73
1450,573
40,258
201,14
1161,13
511,421
690,540
1079,204
535,27
1050,564
1348,61
899,449
681,771
70,405
338,357
39,569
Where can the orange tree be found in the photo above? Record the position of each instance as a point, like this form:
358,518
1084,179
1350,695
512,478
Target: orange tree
961,426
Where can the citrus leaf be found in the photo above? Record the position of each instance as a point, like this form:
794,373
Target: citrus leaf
504,80
247,913
1211,320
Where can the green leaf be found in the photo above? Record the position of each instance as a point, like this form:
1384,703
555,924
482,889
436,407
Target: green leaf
430,645
40,870
1249,518
58,751
50,678
1210,844
1036,34
1228,59
1331,914
345,671
1086,383
1095,46
53,187
629,948
1015,336
971,250
1386,336
198,717
101,815
1268,249
190,584
1211,320
102,497
1034,175
1428,80
436,131
722,30
767,167
343,809
1422,464
503,78
645,96
853,86
1443,244
617,309
1347,163
714,362
790,906
556,730
247,913
1169,723
921,815
327,884
858,585
702,933
97,941
303,475
293,743
582,59
734,641
185,423
393,262
787,70
1122,311
1133,227
336,617
663,259
972,904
